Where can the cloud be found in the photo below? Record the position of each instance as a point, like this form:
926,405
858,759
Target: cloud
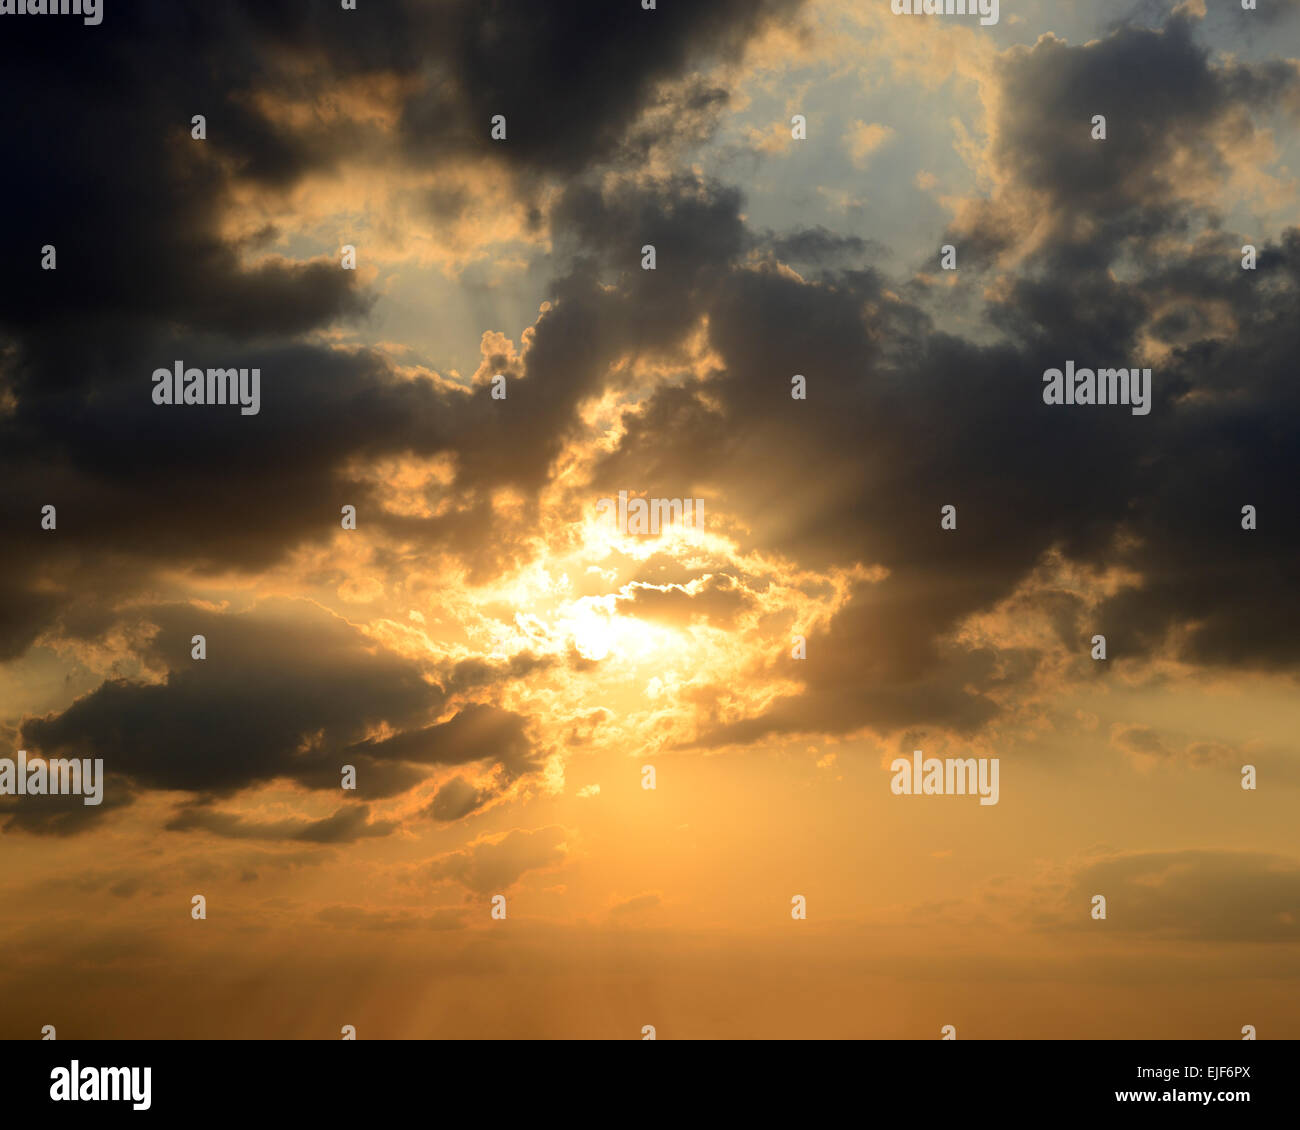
145,278
636,905
287,692
863,139
1075,202
1229,896
479,732
1105,255
457,798
346,826
66,814
717,598
903,418
493,864
283,692
384,921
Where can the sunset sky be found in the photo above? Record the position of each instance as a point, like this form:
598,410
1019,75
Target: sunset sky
500,663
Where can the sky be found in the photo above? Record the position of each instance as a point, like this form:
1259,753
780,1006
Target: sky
914,214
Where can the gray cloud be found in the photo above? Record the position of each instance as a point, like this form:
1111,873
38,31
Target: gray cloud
1232,896
287,691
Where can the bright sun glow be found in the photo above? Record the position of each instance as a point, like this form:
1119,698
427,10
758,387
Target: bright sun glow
599,633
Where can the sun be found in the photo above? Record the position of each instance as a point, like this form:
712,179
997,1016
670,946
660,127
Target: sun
598,632
593,632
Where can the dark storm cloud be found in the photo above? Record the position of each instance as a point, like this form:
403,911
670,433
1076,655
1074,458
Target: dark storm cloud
1172,115
281,692
902,419
173,486
591,327
103,167
1217,443
287,692
106,170
895,421
1228,445
571,79
694,225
